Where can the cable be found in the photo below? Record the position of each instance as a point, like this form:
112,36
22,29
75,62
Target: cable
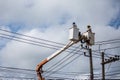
12,38
48,40
96,43
108,40
107,43
63,59
51,78
54,46
65,64
61,62
28,42
106,49
15,77
16,68
67,57
108,68
30,36
34,42
112,74
66,73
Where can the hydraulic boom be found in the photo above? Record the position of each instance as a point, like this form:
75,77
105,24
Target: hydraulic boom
39,66
75,36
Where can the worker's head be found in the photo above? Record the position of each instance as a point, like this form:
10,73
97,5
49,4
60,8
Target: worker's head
88,26
73,23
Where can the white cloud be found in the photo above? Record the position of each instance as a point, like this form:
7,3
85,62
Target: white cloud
49,13
21,54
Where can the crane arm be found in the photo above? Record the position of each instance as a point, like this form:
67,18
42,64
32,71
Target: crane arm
39,66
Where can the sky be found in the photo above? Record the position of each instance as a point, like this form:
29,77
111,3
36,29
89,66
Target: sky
51,20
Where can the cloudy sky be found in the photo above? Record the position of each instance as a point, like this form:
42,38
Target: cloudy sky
51,20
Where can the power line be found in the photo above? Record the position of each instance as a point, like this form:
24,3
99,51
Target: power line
29,40
43,43
36,43
52,77
64,58
62,63
67,63
106,49
16,68
97,43
107,40
31,36
16,77
48,45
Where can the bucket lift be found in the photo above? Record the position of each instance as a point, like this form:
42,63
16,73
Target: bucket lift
75,36
88,37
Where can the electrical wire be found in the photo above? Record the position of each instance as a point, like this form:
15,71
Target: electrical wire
15,77
50,46
44,40
16,68
35,43
30,36
54,46
66,63
96,43
66,73
30,40
61,62
52,77
64,58
107,40
108,68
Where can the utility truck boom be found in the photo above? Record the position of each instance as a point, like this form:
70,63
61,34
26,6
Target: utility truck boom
75,36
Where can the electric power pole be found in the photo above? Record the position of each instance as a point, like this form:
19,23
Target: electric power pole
106,61
103,66
91,65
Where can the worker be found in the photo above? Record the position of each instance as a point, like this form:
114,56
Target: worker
89,38
74,25
89,28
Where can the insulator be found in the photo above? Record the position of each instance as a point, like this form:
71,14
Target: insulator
106,59
84,53
81,45
114,59
117,57
111,58
86,47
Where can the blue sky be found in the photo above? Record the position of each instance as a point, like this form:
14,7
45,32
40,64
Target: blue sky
115,22
51,20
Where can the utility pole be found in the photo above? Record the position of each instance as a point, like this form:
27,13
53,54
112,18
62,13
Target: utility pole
103,66
106,61
91,65
90,62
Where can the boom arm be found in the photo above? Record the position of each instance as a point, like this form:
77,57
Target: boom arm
39,66
75,36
